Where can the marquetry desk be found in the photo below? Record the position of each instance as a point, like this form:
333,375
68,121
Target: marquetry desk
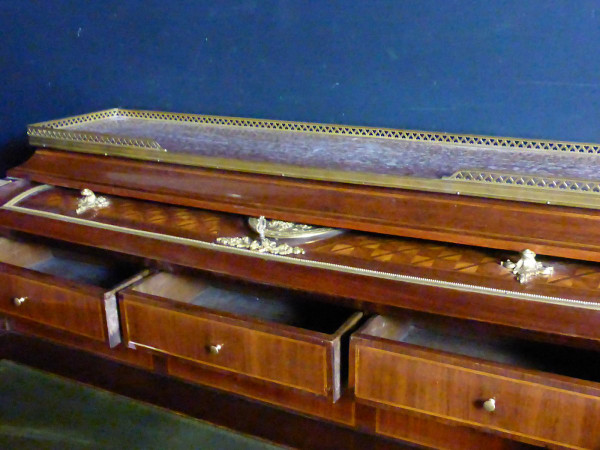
413,307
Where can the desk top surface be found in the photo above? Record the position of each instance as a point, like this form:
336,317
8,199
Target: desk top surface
506,167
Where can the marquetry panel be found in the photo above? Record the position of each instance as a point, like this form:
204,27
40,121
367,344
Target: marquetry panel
452,259
381,253
136,214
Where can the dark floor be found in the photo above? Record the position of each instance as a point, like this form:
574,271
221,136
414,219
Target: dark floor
232,412
44,411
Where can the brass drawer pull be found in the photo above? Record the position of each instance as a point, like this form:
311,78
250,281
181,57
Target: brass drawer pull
490,405
18,301
261,245
90,201
527,268
214,349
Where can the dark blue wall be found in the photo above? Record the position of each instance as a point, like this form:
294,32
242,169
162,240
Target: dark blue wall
527,68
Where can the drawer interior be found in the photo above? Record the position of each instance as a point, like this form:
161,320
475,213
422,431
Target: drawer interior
474,340
81,266
259,302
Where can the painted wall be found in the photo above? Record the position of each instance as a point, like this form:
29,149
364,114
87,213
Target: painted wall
502,67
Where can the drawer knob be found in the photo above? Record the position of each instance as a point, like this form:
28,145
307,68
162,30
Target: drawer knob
490,405
18,301
214,349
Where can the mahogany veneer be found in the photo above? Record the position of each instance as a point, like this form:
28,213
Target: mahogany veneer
392,368
59,290
243,415
435,434
204,326
545,229
265,337
427,260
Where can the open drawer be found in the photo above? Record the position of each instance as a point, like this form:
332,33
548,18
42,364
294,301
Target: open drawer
538,392
267,334
432,277
69,290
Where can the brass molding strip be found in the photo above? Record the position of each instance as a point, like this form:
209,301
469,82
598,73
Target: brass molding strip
431,282
28,193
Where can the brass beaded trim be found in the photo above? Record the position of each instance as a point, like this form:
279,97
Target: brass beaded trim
13,205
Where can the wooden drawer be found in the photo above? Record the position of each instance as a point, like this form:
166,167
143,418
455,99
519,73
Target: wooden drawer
62,289
433,433
242,329
452,374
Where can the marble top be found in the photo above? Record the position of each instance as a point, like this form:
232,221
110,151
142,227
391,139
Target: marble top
346,153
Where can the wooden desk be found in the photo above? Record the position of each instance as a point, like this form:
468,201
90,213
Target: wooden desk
364,332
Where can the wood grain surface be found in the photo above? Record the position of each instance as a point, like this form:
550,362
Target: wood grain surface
530,405
380,254
552,230
425,396
301,360
431,433
232,411
50,302
120,353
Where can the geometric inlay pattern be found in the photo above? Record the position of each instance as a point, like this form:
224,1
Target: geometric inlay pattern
179,221
448,258
380,253
414,253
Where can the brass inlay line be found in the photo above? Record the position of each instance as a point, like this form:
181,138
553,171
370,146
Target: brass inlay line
432,282
28,193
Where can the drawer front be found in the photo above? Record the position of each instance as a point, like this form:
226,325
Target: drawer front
522,408
56,306
237,348
433,433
